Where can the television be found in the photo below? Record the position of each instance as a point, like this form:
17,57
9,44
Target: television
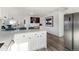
34,19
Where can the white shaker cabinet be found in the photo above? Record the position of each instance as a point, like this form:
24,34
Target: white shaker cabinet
20,38
38,41
21,42
35,40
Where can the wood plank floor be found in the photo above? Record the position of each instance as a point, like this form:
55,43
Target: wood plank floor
54,43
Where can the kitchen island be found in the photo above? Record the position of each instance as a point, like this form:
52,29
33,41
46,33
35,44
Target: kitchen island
24,40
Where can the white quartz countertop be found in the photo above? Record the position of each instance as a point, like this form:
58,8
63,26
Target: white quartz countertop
9,34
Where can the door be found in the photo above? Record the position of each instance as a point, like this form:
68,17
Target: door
38,40
68,31
76,32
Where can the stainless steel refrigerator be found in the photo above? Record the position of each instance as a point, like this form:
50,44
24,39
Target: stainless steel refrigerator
71,31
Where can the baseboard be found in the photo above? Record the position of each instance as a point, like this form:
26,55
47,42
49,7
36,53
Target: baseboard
56,36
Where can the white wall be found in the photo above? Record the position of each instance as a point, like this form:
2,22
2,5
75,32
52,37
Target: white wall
61,23
53,30
0,18
58,28
19,14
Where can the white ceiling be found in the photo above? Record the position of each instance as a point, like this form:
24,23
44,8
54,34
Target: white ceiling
72,10
33,11
41,11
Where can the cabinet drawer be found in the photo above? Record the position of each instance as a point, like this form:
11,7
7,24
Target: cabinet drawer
20,38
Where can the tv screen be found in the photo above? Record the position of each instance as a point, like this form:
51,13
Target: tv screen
34,20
